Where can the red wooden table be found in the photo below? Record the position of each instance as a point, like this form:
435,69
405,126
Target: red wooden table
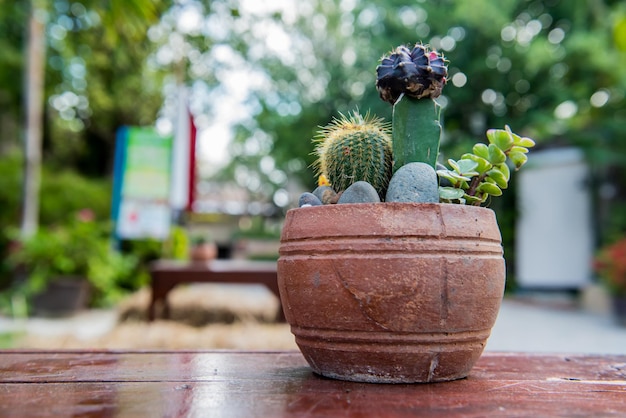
280,384
166,274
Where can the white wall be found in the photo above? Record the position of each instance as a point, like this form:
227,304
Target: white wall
554,234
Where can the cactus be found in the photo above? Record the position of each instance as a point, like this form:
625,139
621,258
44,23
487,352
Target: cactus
416,131
355,148
410,80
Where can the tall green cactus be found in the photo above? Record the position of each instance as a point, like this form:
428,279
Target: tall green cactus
355,148
410,80
416,131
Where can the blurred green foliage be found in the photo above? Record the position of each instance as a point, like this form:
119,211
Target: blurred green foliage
177,245
81,249
554,70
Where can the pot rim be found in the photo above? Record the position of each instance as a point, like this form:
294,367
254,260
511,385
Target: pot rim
418,220
377,205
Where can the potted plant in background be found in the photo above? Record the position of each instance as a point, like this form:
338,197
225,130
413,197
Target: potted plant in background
610,265
383,276
71,266
202,249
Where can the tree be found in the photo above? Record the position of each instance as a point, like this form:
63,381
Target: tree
72,38
101,78
551,69
33,121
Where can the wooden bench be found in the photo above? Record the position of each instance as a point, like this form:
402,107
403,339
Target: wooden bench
166,274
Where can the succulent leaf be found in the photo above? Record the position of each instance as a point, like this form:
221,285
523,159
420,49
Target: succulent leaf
450,193
489,188
516,148
481,150
504,169
448,175
518,159
496,155
498,177
467,167
524,142
483,165
454,165
501,138
474,200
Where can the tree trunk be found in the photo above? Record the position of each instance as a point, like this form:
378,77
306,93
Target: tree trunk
34,86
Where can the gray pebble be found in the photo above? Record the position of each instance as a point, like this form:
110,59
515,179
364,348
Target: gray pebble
308,199
359,192
414,182
326,194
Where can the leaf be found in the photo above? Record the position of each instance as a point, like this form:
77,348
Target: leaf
496,155
450,193
504,169
483,164
500,138
489,188
523,150
524,142
518,159
451,176
467,167
498,177
481,150
454,165
473,200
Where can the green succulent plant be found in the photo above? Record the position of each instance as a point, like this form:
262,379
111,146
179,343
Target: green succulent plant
485,171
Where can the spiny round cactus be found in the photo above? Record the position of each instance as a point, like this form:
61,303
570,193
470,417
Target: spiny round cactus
354,148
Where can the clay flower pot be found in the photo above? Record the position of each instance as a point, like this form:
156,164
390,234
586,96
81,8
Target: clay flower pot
391,292
205,251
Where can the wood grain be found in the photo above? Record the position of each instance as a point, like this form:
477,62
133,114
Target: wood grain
275,384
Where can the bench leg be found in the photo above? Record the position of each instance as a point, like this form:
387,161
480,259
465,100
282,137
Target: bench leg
159,294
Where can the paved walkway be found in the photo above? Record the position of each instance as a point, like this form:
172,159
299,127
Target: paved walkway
527,327
521,326
85,325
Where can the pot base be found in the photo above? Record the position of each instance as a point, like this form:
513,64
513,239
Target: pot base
391,357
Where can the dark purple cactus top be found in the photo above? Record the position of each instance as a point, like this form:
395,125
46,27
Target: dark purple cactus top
417,73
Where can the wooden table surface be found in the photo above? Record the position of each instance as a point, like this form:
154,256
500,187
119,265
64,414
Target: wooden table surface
278,384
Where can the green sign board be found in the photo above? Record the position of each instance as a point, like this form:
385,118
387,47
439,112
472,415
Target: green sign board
142,183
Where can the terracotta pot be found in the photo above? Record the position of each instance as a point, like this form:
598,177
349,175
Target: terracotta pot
391,292
206,251
63,296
